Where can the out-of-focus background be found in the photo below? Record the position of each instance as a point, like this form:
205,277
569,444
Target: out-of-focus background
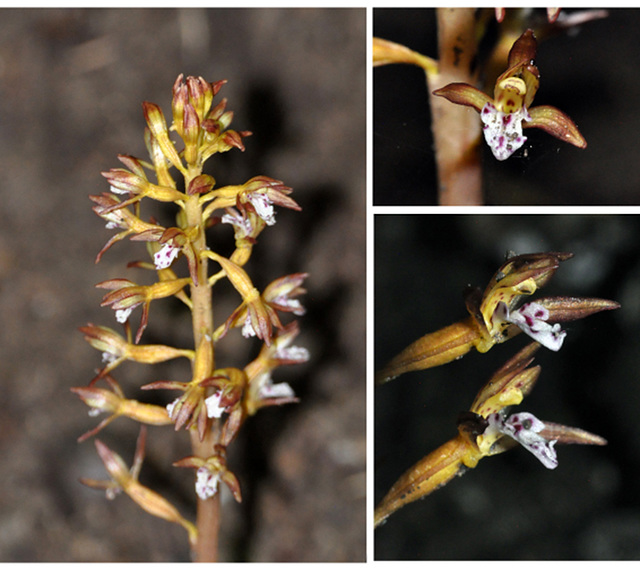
590,73
510,507
72,82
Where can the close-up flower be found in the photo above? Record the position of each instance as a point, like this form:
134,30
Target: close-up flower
126,479
125,296
483,106
486,430
509,111
548,480
495,316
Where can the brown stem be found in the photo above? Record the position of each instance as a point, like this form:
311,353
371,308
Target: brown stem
208,515
456,129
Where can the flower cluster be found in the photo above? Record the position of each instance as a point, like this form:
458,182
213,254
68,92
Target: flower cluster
498,315
486,430
215,401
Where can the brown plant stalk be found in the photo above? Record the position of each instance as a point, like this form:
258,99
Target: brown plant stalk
456,131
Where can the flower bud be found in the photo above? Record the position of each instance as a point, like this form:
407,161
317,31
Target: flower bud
149,500
191,135
158,127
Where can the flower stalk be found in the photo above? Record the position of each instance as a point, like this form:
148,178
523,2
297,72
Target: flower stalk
455,131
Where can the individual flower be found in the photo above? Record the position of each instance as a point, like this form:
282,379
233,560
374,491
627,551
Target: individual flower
256,316
108,207
259,194
125,296
197,406
125,479
509,111
114,402
116,349
497,311
189,409
210,472
487,430
497,315
282,294
262,391
135,186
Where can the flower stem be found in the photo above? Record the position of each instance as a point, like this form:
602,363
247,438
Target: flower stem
208,514
456,129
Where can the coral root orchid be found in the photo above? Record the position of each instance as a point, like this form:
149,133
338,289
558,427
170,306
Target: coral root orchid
509,111
214,402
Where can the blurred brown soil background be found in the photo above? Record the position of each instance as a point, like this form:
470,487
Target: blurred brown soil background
72,83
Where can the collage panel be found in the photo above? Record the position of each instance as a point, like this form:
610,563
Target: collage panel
470,311
182,289
533,106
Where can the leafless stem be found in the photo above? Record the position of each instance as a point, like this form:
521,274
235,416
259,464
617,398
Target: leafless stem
208,515
456,129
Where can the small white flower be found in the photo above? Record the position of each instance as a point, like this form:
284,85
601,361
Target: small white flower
263,206
532,319
280,390
214,410
524,427
123,315
247,328
503,131
93,412
293,353
171,406
117,190
241,224
165,256
206,483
